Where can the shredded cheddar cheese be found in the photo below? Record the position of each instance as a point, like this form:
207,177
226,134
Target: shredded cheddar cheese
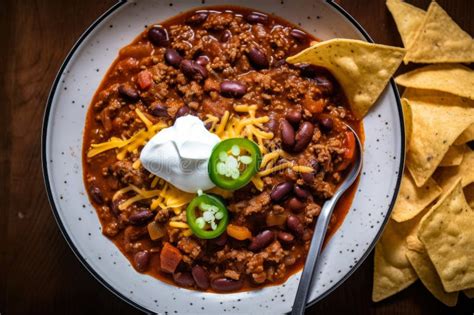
276,168
302,169
179,225
188,233
128,145
162,194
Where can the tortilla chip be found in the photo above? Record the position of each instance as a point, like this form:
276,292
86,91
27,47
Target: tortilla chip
469,293
466,136
408,121
424,268
448,235
447,176
469,194
408,19
439,39
412,200
433,96
363,69
392,270
451,78
437,122
454,156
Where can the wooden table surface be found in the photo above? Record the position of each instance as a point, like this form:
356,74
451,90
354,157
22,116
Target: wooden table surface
39,274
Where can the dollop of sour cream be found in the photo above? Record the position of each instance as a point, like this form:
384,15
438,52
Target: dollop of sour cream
180,154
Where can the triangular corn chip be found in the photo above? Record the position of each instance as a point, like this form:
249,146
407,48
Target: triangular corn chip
439,39
392,271
412,200
446,176
426,271
448,234
408,19
363,69
454,156
450,78
408,120
469,194
438,119
466,136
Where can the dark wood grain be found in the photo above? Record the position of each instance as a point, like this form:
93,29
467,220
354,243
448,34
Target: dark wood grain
38,272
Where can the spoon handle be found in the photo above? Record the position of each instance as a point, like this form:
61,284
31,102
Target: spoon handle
313,254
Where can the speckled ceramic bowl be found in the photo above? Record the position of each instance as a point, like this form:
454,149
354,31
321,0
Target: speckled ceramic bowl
65,114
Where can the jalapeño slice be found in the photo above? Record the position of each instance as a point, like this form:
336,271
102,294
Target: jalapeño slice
207,216
234,162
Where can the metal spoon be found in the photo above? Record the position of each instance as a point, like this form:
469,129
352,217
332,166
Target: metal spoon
320,232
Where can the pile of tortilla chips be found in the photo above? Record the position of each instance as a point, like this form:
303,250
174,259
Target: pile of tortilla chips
430,235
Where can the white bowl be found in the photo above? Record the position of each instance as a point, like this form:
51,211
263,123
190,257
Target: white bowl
64,118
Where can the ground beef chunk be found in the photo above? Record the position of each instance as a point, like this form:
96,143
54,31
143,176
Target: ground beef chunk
163,215
310,211
125,172
240,255
256,264
232,274
189,246
253,205
218,22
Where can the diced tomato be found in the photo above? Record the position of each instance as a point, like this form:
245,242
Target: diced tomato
170,257
144,79
350,145
349,141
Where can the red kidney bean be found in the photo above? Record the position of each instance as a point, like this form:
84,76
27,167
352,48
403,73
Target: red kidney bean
299,35
184,279
281,190
183,111
324,83
202,60
326,124
128,92
226,285
158,110
192,70
197,18
301,193
226,35
285,237
258,58
287,134
308,178
142,260
257,17
295,204
140,217
200,277
172,57
294,116
221,240
96,194
303,136
261,240
233,89
114,207
158,36
295,224
272,125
